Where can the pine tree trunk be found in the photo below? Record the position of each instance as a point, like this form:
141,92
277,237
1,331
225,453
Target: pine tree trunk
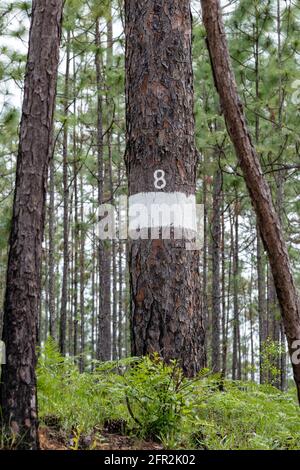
18,387
261,287
121,326
166,310
104,327
52,313
64,291
224,311
236,313
82,280
267,218
216,279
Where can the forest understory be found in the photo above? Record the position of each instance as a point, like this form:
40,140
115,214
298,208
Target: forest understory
143,404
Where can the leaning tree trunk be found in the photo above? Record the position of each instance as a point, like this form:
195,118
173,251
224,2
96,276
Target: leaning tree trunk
166,310
267,218
18,387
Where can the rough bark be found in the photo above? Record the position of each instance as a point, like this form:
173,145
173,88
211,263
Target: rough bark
166,310
267,218
18,387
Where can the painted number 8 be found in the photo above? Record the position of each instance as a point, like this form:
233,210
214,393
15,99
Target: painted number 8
159,179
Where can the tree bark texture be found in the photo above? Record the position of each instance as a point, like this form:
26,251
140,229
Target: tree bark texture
18,387
267,218
166,310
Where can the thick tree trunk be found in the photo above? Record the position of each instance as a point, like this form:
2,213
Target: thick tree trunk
166,310
18,387
267,218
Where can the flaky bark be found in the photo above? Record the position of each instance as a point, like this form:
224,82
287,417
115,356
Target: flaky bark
165,285
18,388
267,218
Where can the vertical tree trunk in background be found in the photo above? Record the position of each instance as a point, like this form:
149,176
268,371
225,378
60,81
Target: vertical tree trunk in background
261,288
205,249
166,310
82,279
216,279
104,329
267,218
280,181
121,326
112,247
251,319
18,382
273,325
52,313
64,290
224,315
236,313
74,318
261,265
93,293
114,263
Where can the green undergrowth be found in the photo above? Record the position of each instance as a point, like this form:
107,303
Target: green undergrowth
150,400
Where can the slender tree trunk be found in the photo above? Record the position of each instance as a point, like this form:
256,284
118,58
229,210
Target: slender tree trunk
261,278
120,269
216,279
114,264
224,311
18,383
280,180
64,292
267,218
236,315
82,279
93,290
261,287
205,249
251,318
104,327
52,312
166,310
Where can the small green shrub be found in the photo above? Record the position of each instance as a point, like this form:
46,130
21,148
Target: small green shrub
155,396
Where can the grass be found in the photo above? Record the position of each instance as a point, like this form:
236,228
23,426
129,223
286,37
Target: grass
147,399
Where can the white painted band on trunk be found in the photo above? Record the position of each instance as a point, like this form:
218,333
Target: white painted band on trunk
164,210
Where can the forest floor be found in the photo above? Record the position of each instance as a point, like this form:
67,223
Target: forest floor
137,404
52,439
